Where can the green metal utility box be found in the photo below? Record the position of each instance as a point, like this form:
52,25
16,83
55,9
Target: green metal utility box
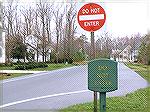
102,75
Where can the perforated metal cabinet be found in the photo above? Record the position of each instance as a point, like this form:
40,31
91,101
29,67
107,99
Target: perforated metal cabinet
102,75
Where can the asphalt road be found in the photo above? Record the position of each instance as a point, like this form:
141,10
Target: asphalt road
61,88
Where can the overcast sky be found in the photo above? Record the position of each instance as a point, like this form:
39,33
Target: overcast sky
123,17
126,18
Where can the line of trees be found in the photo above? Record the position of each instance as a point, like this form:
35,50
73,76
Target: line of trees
19,22
53,27
144,50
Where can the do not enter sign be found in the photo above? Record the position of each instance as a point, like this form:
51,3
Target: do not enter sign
91,17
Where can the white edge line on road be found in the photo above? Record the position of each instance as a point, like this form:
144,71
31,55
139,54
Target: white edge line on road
41,97
37,75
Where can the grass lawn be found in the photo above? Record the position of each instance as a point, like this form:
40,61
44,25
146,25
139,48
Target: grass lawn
49,68
133,102
7,76
143,70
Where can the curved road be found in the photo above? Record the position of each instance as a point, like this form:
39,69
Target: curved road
60,88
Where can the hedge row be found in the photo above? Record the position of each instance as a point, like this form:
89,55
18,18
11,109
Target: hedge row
31,66
6,64
70,61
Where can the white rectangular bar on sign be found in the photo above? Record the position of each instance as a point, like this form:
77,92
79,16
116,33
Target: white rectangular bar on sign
91,17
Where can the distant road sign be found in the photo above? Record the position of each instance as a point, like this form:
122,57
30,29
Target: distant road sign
91,17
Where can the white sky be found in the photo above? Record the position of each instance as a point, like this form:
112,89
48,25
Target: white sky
124,17
127,18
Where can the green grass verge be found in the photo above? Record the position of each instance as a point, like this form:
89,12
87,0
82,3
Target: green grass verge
133,102
143,70
7,76
49,68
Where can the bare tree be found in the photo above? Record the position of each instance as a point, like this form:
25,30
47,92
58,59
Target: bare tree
58,14
104,45
43,11
9,13
70,30
28,15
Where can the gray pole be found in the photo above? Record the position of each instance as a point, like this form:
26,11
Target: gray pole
93,57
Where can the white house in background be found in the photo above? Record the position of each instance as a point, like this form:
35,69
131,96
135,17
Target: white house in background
2,39
2,46
32,42
127,54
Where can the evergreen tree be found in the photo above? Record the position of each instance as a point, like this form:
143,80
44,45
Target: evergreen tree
19,51
144,50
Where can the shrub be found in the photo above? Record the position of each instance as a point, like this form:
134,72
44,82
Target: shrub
9,64
20,67
79,56
48,62
41,65
31,66
65,60
6,64
70,61
60,60
2,64
149,62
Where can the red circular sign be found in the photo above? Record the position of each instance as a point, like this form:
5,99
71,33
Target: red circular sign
91,17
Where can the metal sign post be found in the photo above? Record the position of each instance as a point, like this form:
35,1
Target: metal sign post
91,17
102,96
93,57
